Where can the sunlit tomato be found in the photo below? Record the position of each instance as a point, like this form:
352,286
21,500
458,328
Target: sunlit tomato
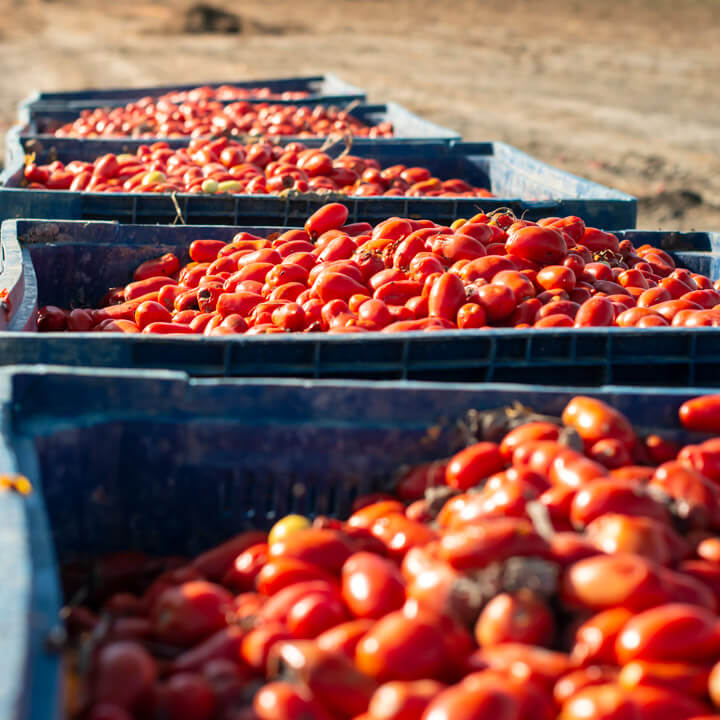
538,244
372,586
403,700
673,632
329,217
472,465
595,420
613,496
490,540
520,617
681,677
399,534
402,648
474,701
344,637
447,296
701,414
327,549
594,642
283,701
572,683
282,572
600,702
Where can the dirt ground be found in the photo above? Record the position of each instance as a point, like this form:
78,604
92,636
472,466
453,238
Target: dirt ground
625,92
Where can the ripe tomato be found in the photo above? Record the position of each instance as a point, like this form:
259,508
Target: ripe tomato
372,586
472,465
521,617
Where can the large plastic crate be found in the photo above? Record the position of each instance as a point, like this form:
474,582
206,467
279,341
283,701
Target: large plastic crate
327,88
517,180
406,126
166,465
74,263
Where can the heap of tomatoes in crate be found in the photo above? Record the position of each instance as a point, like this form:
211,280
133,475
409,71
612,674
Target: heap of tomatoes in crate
167,117
226,166
554,568
401,275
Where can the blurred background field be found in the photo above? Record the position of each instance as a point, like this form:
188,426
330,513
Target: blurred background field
623,92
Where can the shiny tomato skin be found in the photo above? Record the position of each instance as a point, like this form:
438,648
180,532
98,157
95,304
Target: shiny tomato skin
594,641
600,702
519,617
595,312
329,217
537,244
595,420
701,414
372,586
403,700
446,297
674,632
472,465
402,648
344,637
327,549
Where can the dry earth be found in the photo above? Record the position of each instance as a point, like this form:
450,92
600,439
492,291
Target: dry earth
625,93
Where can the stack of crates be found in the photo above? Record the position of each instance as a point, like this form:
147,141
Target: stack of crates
169,444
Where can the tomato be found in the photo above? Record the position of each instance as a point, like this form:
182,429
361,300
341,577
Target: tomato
614,496
187,696
314,613
571,684
473,701
600,702
446,297
283,572
537,244
124,674
525,663
608,581
521,617
613,533
241,575
595,420
472,465
330,677
595,639
187,613
701,414
402,648
214,563
399,534
283,701
490,540
674,632
344,637
403,700
371,586
327,549
595,312
329,217
684,678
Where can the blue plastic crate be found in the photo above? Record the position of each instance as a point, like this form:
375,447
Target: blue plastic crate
164,464
74,263
518,181
327,88
406,125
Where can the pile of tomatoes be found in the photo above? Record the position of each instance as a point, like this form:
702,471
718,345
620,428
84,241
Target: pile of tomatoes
163,117
225,92
402,275
226,166
554,568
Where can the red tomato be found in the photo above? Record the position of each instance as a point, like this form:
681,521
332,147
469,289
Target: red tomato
521,617
329,217
402,648
595,420
472,465
702,414
446,297
371,586
124,674
673,632
537,244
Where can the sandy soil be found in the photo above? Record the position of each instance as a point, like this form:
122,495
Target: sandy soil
623,92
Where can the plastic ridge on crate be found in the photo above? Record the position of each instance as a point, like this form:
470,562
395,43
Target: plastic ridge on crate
406,125
327,88
74,263
517,180
164,464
